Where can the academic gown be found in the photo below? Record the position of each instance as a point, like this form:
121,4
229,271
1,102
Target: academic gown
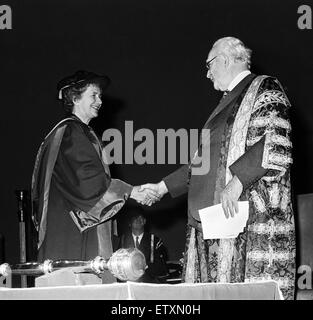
250,137
73,195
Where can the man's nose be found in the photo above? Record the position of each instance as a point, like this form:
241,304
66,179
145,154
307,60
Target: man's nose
209,75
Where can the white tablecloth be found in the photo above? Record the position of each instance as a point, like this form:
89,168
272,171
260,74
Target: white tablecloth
267,290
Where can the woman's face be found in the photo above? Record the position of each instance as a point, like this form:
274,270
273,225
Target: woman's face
88,105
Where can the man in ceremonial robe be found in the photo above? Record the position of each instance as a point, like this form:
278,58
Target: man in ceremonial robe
73,195
249,150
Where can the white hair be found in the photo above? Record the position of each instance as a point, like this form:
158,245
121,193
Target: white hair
234,48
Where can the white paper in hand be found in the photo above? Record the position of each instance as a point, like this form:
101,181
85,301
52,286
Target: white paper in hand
216,226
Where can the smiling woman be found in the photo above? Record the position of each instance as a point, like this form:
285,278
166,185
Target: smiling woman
82,84
88,104
74,197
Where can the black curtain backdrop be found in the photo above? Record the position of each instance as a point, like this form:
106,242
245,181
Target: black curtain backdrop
154,52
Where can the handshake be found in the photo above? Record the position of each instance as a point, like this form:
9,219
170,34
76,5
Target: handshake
149,193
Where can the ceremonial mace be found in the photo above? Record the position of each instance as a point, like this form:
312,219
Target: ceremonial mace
125,264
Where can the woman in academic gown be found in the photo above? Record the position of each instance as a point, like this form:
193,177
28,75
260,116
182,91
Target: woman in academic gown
73,195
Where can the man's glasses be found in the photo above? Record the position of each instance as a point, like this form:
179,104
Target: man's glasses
208,63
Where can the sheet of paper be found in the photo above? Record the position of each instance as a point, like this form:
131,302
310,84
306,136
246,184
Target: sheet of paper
216,226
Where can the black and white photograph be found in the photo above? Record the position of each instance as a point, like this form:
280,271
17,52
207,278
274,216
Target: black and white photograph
156,150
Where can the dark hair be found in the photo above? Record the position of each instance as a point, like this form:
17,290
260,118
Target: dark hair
135,216
75,92
135,213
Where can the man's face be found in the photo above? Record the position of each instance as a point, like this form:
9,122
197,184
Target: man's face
138,223
89,103
217,70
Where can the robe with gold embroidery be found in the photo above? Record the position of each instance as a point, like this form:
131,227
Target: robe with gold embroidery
250,138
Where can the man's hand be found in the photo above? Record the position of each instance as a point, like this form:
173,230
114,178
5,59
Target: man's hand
160,188
230,196
144,196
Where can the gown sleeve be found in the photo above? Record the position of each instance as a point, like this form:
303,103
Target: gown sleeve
177,182
268,152
80,176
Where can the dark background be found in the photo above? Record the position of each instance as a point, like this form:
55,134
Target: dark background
154,52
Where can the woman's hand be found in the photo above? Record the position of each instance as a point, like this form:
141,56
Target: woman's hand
146,196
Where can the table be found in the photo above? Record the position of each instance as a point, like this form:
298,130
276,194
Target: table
265,290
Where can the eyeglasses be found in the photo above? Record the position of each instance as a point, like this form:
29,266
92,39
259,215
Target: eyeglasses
208,63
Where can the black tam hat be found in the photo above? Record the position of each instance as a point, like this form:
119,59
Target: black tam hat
80,77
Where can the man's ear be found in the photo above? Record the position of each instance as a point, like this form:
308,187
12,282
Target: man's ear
226,60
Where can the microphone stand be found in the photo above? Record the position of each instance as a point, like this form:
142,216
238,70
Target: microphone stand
21,195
